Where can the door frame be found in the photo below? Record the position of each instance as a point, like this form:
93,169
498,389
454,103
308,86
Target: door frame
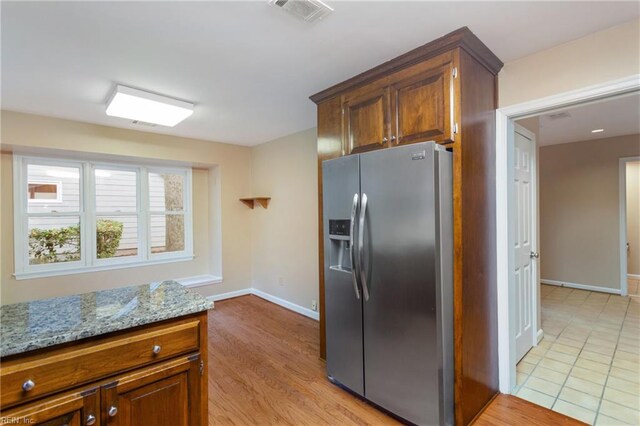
622,176
535,276
504,127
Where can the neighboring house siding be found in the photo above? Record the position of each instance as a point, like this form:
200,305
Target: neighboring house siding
117,192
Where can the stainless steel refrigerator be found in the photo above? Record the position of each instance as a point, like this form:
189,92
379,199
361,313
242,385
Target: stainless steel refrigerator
388,241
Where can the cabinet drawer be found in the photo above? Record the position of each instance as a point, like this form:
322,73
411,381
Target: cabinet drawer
78,407
63,368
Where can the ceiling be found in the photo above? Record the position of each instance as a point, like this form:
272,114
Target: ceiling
249,67
617,116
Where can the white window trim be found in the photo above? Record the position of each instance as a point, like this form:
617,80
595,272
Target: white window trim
58,198
88,215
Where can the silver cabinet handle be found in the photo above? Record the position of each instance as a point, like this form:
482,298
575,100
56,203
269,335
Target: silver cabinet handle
363,278
352,255
157,349
91,420
534,255
28,385
113,410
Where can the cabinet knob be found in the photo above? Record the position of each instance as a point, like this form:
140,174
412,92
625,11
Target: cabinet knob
28,385
157,349
384,140
113,410
91,420
393,138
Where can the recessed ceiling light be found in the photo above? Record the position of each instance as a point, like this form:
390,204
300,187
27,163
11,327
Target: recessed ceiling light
139,105
597,131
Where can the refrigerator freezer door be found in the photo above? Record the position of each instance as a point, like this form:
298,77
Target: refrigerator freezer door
399,265
343,309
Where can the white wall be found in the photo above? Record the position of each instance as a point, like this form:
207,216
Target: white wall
285,236
633,217
597,58
580,210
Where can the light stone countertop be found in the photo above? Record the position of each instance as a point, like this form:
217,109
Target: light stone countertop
42,323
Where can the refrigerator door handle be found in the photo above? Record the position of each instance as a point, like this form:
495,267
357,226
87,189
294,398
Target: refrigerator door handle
363,278
352,254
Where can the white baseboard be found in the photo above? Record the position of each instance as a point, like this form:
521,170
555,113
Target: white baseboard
633,276
540,336
580,286
199,280
286,304
229,295
266,296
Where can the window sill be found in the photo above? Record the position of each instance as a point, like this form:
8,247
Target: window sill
200,280
88,269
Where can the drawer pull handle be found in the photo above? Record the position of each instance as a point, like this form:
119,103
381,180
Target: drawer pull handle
28,385
113,410
157,349
91,420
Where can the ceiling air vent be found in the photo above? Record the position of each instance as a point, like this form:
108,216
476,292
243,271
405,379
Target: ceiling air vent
559,115
306,10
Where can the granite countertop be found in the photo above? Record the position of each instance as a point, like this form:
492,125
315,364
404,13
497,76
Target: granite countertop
43,323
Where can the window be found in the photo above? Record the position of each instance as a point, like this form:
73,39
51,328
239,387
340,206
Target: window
44,192
73,216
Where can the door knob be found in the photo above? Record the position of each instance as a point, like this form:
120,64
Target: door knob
91,420
113,410
534,255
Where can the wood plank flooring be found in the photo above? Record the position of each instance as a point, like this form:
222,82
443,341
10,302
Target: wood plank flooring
514,411
264,370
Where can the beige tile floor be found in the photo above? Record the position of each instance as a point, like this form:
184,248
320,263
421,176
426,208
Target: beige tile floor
587,366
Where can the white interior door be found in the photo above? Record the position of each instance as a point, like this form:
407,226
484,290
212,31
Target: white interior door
525,256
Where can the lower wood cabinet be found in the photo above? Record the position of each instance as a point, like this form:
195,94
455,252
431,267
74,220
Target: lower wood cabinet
75,408
160,390
163,396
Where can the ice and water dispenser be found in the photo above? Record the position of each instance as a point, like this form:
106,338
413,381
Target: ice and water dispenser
339,236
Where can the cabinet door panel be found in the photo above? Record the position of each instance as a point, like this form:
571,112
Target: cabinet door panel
423,108
366,121
162,395
74,408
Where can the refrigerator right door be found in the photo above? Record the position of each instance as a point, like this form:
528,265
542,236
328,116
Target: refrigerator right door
402,318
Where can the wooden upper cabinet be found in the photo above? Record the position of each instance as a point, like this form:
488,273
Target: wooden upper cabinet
422,107
366,120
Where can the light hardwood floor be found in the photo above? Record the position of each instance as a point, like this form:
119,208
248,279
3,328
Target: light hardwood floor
264,370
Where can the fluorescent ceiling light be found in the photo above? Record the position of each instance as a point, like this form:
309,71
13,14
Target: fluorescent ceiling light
139,105
597,131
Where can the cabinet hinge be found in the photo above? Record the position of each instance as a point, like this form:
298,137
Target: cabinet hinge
201,367
455,128
454,72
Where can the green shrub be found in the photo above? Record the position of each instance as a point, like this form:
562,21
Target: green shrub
108,237
45,245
